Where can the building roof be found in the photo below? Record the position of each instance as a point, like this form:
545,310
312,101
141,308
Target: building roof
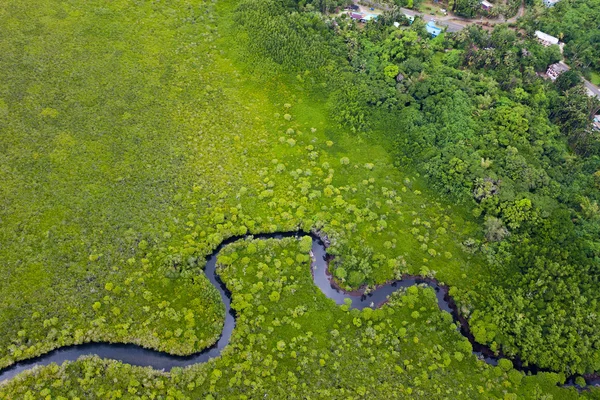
356,16
369,17
432,29
559,67
546,38
486,4
550,2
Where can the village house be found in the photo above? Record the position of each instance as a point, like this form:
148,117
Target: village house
555,70
362,18
546,39
596,123
368,18
486,5
410,18
550,3
432,29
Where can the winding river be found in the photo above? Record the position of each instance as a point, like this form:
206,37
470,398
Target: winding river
137,355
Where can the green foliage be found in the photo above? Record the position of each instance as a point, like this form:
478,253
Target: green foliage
274,296
361,352
573,23
491,135
340,273
391,71
567,80
124,165
466,8
505,364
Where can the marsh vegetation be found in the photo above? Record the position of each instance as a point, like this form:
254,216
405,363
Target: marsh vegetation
138,136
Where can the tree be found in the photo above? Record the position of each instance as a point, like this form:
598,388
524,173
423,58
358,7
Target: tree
495,230
567,80
467,8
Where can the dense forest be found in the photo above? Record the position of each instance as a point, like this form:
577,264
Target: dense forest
132,150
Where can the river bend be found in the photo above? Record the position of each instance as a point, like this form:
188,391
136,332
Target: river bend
139,356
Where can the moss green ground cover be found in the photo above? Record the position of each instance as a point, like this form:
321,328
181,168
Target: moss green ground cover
133,142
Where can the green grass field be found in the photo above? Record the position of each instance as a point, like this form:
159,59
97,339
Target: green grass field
135,140
125,161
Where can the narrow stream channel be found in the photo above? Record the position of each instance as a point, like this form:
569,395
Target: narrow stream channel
139,356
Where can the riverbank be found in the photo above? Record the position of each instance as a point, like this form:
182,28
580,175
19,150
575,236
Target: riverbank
143,357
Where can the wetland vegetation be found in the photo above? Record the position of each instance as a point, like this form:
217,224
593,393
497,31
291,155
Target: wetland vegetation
137,136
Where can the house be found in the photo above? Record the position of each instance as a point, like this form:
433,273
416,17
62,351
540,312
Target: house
486,5
369,17
550,3
363,18
353,7
546,39
596,123
555,70
432,29
397,24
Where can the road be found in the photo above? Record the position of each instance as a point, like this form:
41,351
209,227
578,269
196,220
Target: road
446,21
592,89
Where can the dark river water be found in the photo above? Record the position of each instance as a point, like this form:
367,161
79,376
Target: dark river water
136,355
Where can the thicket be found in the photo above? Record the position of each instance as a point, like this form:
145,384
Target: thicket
525,155
485,129
469,112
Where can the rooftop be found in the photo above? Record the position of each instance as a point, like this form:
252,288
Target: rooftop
546,38
369,17
559,67
432,29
